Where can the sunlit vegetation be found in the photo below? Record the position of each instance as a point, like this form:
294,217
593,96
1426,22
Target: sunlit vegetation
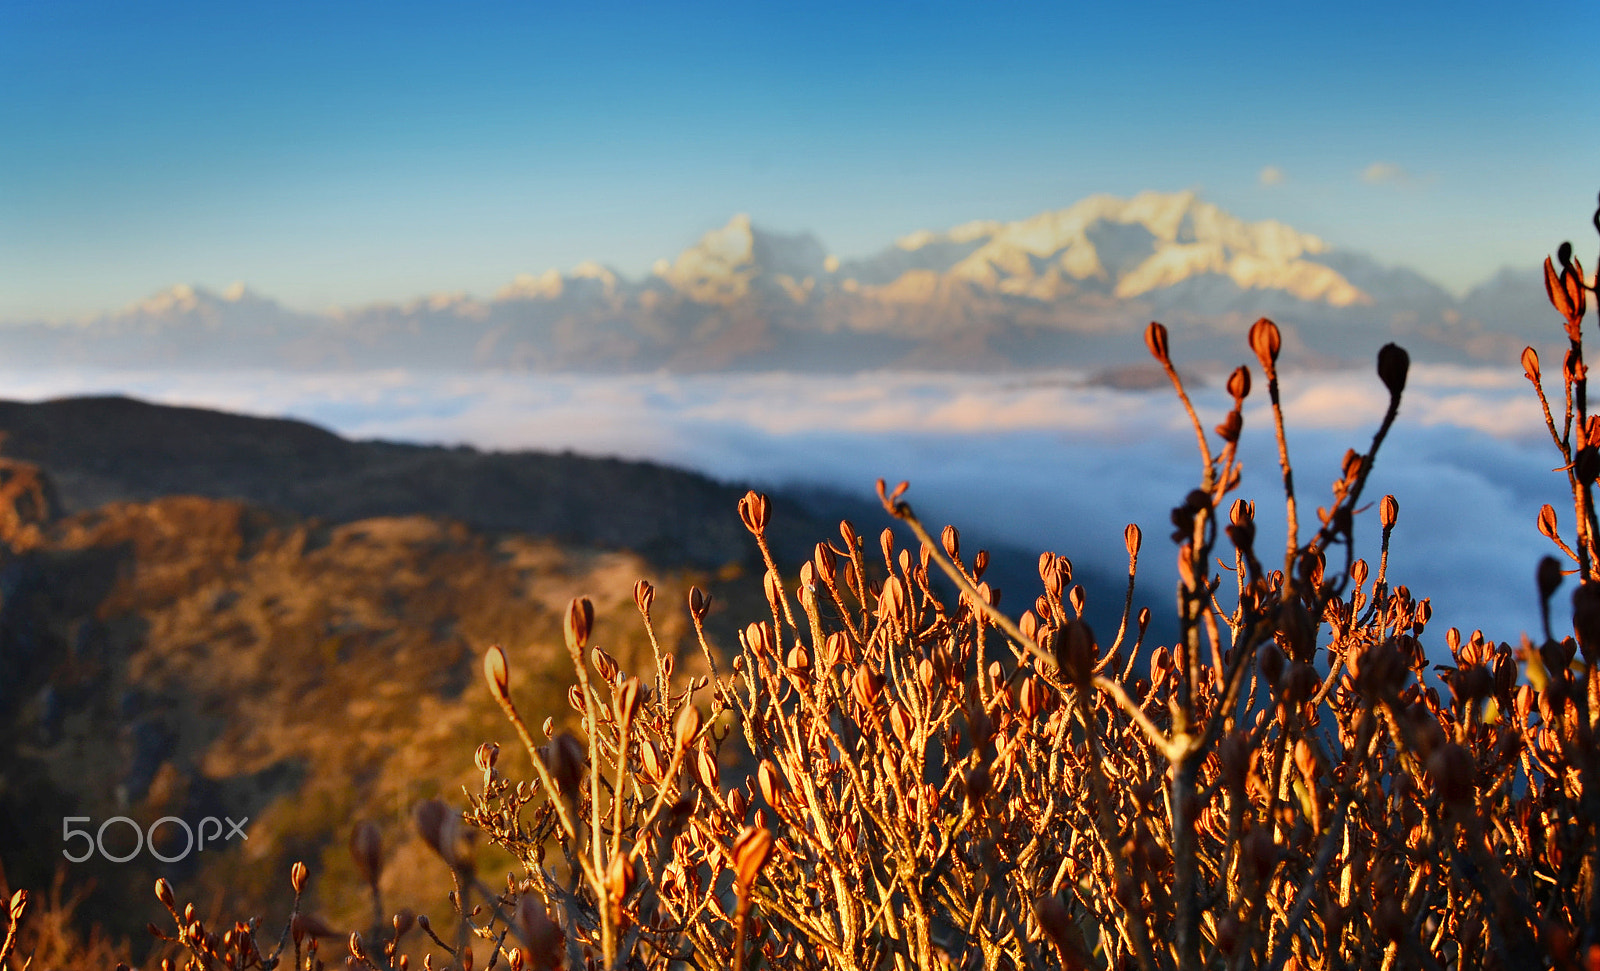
891,770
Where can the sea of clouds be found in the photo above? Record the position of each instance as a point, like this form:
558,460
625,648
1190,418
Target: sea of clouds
1033,461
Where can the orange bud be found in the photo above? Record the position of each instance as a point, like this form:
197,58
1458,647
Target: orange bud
751,851
1132,538
578,622
951,540
297,878
1239,383
1266,342
643,596
496,673
1530,364
699,603
755,510
1388,511
1155,338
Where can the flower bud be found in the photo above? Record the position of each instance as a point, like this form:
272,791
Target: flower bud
578,622
699,603
1155,338
755,510
1388,511
366,849
1266,342
643,596
1530,364
297,878
751,851
1239,383
1393,363
1586,617
495,672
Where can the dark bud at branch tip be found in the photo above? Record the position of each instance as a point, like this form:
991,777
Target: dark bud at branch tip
1393,363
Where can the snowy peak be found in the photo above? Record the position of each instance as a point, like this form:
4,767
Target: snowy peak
740,260
1131,248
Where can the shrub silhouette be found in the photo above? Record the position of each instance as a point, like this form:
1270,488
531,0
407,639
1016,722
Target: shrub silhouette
894,772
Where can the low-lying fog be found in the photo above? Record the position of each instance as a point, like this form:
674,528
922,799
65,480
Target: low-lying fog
1035,461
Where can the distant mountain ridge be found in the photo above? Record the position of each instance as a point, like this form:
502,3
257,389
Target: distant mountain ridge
1065,287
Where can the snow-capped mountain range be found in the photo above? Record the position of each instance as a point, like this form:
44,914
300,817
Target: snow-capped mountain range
1069,287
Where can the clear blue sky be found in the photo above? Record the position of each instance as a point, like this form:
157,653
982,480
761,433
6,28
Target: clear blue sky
344,153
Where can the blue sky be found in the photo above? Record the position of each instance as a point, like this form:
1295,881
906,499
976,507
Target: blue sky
382,151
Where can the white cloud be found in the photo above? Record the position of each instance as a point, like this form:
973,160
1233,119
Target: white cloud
1037,462
1379,173
1272,175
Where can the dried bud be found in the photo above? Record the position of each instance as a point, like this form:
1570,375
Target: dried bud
1132,538
950,538
429,816
1393,363
1266,342
1585,614
626,704
496,673
687,727
643,596
1388,511
977,785
1586,464
542,935
705,768
1155,338
751,851
366,849
1452,769
866,685
1270,661
565,763
578,622
1547,522
755,510
1231,426
1566,293
1076,653
297,879
165,895
1239,383
486,756
699,603
770,783
1530,364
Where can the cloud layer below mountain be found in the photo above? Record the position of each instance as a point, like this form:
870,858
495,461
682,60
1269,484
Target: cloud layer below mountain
1043,461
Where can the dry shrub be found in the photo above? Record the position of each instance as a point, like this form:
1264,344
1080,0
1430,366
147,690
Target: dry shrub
895,773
